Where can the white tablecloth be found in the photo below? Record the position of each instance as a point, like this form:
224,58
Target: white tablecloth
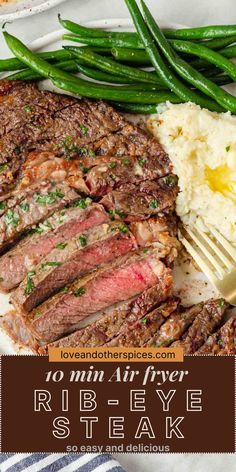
188,12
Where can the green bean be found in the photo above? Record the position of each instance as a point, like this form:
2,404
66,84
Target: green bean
115,93
28,74
222,34
137,56
15,64
34,61
201,51
202,32
168,77
103,76
12,64
108,41
187,72
112,67
135,108
218,43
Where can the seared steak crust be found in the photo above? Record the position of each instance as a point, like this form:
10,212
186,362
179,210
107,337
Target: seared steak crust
223,342
204,324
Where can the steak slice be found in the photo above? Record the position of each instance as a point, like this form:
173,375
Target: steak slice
223,342
175,326
68,261
21,101
49,122
33,209
116,319
108,173
14,326
138,334
57,229
142,201
204,324
133,141
125,278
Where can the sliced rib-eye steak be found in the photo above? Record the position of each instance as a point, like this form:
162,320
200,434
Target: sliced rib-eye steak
203,326
57,229
116,319
125,278
175,326
223,342
138,334
33,209
70,260
138,202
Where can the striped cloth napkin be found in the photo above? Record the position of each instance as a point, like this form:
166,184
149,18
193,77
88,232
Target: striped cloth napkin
59,463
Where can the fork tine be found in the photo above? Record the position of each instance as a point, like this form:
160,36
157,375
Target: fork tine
195,255
206,253
226,245
217,250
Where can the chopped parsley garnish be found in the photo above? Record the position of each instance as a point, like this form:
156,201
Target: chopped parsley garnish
221,303
49,198
111,213
50,264
153,204
3,167
121,213
82,151
3,205
61,246
144,321
27,109
37,314
45,226
84,130
81,291
227,148
82,203
84,169
24,207
11,218
83,240
123,229
126,162
92,153
142,162
64,290
113,165
169,180
29,282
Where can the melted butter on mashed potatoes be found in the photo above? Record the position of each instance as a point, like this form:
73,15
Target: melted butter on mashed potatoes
202,147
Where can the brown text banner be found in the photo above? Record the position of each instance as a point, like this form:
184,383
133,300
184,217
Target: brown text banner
155,407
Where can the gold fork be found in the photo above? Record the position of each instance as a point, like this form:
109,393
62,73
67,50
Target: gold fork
215,256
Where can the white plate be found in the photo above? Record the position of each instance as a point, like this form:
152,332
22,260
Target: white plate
190,284
15,9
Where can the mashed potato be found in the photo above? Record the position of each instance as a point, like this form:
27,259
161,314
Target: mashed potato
202,147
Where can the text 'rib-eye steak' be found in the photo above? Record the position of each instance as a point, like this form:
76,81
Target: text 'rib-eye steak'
88,230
